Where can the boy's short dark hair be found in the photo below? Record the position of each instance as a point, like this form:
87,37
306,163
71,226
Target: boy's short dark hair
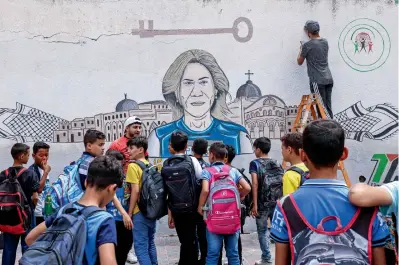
324,142
40,145
178,141
200,146
91,136
293,140
264,144
116,154
218,150
18,149
104,171
231,153
138,141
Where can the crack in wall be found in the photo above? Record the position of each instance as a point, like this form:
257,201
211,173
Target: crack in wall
58,37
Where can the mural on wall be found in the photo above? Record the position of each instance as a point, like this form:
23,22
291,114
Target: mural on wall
385,169
150,32
195,90
364,45
376,122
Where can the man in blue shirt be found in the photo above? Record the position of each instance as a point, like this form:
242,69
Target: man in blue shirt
317,223
217,155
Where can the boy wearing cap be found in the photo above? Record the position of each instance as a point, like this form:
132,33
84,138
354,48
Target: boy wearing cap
132,127
315,51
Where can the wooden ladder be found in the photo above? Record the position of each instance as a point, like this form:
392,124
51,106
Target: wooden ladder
310,104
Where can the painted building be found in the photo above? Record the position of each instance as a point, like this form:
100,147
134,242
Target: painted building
153,114
65,69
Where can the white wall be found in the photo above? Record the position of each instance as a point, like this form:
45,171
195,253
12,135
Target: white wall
76,59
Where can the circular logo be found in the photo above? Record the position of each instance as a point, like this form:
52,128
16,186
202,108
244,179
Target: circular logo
364,45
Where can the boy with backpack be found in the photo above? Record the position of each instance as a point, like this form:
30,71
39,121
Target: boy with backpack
297,173
200,148
74,175
267,182
387,197
16,218
181,174
231,154
81,232
317,224
144,228
118,209
220,204
41,168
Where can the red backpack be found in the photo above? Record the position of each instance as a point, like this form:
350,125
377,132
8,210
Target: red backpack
14,207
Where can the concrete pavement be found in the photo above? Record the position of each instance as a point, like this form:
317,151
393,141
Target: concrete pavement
168,245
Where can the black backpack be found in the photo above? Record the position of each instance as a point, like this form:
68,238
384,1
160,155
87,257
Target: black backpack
178,174
248,200
270,178
15,212
152,202
304,174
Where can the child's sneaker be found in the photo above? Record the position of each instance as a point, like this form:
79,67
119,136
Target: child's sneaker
131,258
263,262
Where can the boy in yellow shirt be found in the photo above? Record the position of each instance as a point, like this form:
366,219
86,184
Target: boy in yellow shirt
291,143
143,228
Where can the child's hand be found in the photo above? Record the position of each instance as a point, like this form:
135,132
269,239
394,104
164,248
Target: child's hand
127,221
171,222
200,210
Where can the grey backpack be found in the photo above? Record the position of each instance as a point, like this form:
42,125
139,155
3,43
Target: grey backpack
64,241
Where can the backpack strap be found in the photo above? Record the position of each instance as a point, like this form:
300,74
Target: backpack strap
141,164
295,224
90,210
86,211
21,171
296,169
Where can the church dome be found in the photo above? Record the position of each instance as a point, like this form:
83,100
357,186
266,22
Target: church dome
249,90
126,104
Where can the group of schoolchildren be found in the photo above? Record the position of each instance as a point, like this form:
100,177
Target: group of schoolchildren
315,218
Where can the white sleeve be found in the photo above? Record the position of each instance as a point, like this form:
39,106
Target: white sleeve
197,167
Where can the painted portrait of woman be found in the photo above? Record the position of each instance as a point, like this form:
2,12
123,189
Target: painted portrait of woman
196,88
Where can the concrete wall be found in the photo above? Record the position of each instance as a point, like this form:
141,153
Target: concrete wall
67,61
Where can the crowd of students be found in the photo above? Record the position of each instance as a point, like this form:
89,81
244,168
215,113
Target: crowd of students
315,218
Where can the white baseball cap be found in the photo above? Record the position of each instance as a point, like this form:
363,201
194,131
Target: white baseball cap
131,120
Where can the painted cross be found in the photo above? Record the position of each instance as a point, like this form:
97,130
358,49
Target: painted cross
249,74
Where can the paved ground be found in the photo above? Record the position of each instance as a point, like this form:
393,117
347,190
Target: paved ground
168,246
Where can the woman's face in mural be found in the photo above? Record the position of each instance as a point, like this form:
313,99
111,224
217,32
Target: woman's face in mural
197,92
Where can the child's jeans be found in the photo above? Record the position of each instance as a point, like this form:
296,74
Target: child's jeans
10,247
215,245
144,239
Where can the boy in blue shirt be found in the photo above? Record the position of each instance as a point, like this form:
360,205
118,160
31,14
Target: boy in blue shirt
104,176
317,223
217,155
94,142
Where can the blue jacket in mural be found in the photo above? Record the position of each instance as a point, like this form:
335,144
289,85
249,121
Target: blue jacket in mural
218,131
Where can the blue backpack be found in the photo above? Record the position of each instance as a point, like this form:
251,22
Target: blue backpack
67,188
65,240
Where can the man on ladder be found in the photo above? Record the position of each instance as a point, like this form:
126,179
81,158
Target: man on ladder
309,105
315,51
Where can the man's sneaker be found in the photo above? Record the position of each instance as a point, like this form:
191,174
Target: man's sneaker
131,258
263,262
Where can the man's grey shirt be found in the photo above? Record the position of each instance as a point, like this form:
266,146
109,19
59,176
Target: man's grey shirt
315,52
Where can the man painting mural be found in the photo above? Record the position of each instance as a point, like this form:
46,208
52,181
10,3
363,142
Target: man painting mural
315,51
